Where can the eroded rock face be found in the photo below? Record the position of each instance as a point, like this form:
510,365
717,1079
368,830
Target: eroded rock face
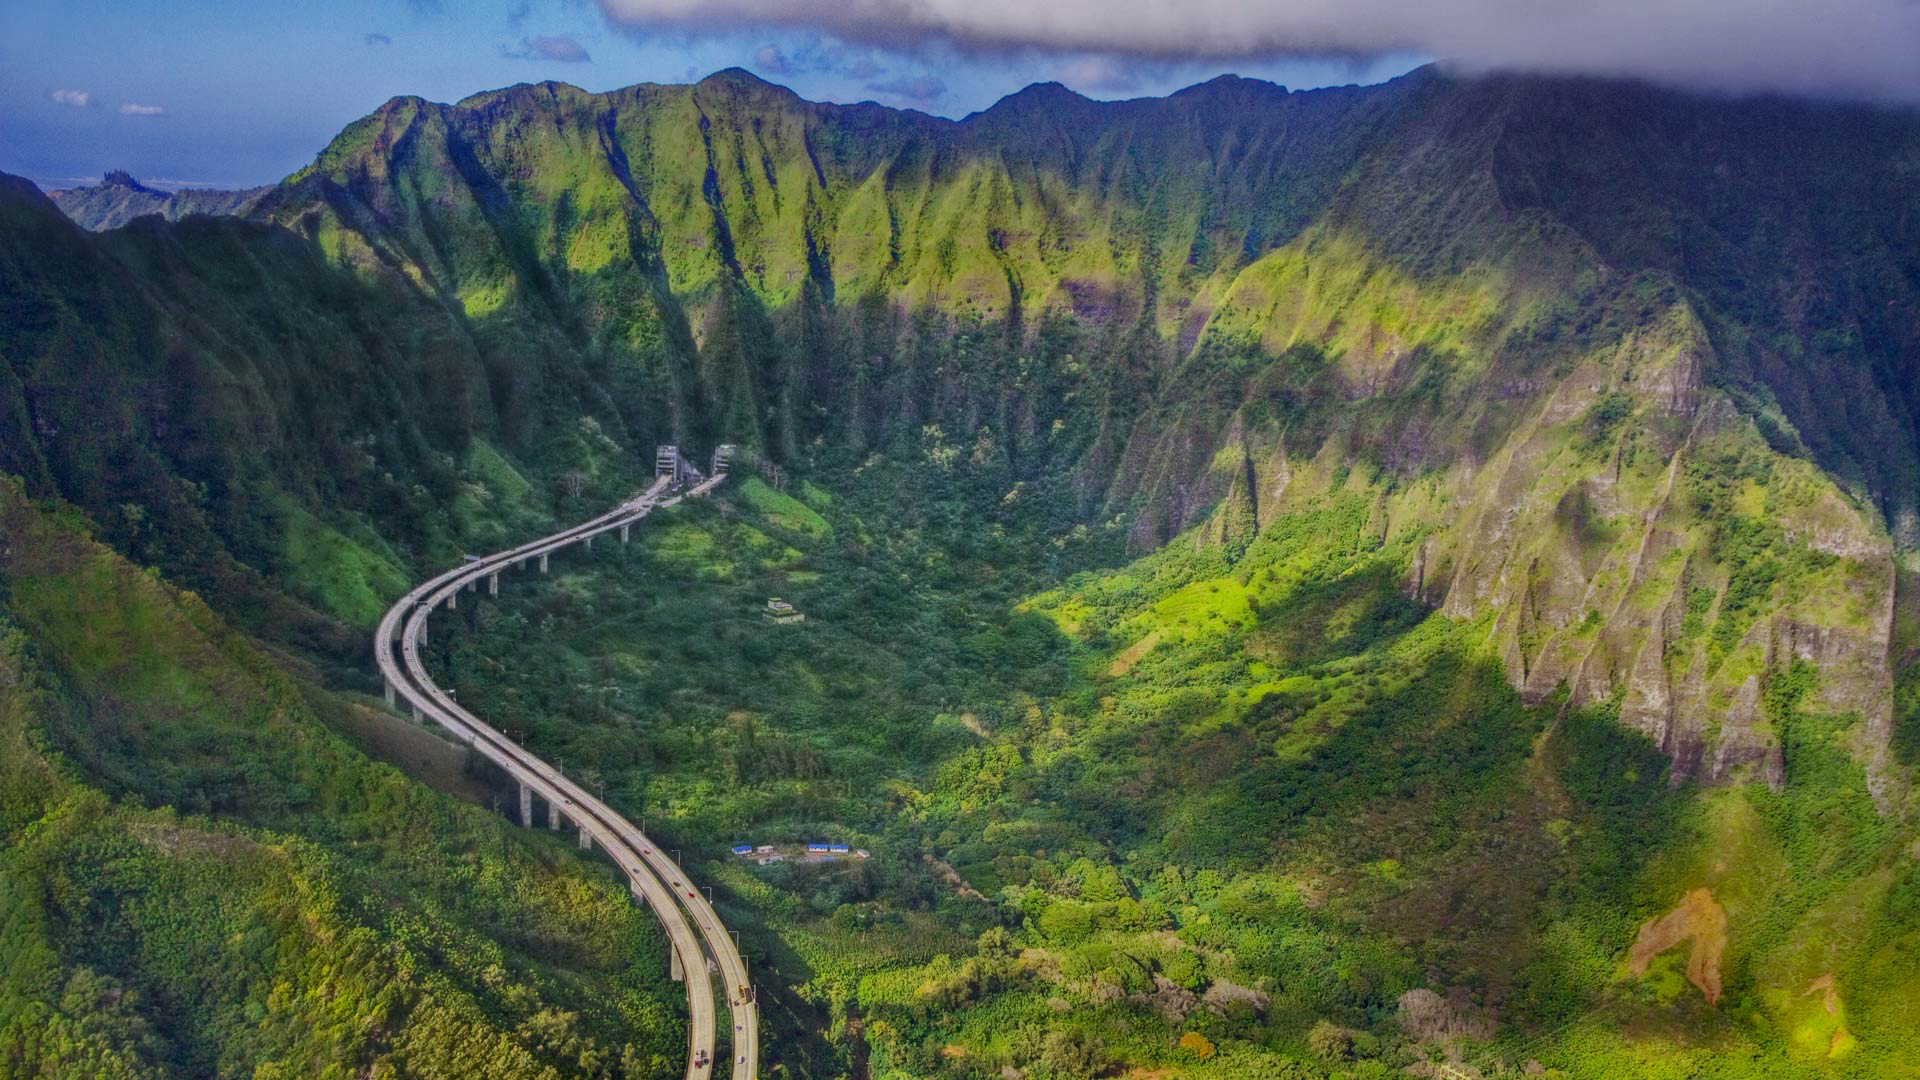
1627,529
1600,557
1602,573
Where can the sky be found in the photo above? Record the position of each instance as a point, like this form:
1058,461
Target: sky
221,93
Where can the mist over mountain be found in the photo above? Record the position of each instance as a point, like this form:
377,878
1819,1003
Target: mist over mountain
1420,532
119,198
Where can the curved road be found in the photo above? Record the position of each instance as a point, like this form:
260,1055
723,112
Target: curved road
687,917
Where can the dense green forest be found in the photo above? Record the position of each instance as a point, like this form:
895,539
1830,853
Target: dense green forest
1246,812
1414,577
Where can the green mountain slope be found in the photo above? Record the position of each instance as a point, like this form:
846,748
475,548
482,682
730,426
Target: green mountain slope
203,877
272,433
1178,211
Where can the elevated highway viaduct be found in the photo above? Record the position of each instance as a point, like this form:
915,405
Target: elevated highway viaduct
695,934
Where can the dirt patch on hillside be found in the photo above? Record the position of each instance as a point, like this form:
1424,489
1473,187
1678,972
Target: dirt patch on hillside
1841,1039
1829,997
1427,1017
1132,654
951,877
190,842
422,754
1699,918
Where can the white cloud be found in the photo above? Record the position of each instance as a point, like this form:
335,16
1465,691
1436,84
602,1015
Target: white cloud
815,57
770,59
916,90
563,49
134,108
1855,48
79,99
1099,74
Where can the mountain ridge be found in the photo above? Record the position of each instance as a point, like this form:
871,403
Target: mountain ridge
730,228
1353,434
119,198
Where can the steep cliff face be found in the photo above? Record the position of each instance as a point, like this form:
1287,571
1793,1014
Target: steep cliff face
1502,225
1638,369
1634,540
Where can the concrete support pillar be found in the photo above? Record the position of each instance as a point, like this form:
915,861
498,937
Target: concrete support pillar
543,564
553,816
389,687
473,584
624,529
414,706
493,584
526,807
589,543
586,838
453,599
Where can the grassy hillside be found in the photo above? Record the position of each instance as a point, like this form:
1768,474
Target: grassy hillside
204,877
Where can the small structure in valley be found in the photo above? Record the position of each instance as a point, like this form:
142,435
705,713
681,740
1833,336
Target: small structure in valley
780,611
811,851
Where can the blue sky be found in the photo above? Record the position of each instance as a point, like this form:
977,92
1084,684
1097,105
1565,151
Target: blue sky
231,94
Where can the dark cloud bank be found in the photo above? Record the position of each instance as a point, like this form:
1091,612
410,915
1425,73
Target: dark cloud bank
1845,48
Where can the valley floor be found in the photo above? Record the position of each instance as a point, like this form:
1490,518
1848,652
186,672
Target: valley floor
1215,813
